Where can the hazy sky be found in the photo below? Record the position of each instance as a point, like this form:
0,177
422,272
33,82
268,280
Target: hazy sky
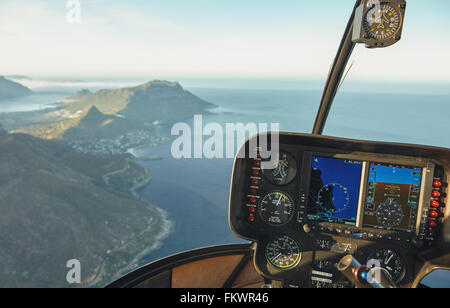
213,38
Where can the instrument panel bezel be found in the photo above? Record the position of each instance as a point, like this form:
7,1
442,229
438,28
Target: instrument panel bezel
303,155
302,147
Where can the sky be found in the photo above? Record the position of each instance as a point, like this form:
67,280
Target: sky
170,39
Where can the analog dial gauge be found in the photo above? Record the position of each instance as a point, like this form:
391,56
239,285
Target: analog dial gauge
390,261
382,21
276,208
284,170
283,253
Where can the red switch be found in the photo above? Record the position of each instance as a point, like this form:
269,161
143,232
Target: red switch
432,223
434,214
437,183
436,194
434,204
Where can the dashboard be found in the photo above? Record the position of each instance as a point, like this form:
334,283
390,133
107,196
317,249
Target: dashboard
323,198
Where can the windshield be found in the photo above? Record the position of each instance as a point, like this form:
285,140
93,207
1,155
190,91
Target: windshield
401,93
118,119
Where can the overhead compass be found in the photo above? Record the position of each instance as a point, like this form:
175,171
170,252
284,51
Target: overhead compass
379,23
382,21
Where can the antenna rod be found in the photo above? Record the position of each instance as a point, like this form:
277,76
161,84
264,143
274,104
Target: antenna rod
335,76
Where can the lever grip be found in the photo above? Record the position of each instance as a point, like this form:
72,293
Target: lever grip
380,278
364,277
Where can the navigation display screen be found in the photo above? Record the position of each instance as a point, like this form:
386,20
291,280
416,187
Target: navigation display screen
392,198
334,190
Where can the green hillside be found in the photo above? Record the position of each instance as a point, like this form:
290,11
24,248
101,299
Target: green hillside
90,126
153,101
58,205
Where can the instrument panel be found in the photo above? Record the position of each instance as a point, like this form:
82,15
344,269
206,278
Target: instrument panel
324,198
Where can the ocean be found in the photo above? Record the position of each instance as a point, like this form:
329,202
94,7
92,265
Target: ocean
194,192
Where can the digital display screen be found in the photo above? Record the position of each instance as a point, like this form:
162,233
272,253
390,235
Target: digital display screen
393,194
334,190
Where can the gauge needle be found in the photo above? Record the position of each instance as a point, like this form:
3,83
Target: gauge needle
383,20
381,25
386,20
276,257
388,259
279,200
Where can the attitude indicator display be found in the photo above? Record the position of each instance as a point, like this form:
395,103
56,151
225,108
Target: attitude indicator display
393,195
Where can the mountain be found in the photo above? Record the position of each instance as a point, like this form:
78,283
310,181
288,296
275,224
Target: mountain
153,101
57,205
95,125
90,126
10,89
77,96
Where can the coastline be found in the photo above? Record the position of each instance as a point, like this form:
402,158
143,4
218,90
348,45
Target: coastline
167,226
138,185
135,263
163,222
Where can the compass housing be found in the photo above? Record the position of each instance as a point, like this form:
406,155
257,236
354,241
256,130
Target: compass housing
379,24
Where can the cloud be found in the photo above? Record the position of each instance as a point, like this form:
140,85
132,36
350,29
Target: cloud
120,41
116,39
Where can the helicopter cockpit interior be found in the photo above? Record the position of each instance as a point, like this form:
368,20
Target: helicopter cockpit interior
327,212
329,198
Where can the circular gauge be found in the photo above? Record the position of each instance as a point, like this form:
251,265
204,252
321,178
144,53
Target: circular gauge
390,261
382,21
332,199
389,213
276,208
284,171
283,253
